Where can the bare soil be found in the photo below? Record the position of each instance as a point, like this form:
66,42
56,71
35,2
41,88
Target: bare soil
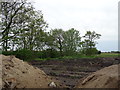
69,72
19,74
104,78
74,73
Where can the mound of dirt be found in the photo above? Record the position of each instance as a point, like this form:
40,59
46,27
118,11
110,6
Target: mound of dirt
104,78
19,74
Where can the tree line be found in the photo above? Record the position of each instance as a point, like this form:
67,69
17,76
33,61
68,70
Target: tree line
24,28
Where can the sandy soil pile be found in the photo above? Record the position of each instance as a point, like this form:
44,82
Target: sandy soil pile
19,74
104,78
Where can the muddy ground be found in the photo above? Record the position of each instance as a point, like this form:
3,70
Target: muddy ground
69,72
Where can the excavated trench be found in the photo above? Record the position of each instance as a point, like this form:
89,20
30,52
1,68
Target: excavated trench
69,72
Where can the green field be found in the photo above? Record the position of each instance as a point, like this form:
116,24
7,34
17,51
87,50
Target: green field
109,55
82,56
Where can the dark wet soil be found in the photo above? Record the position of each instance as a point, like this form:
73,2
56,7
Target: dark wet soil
69,72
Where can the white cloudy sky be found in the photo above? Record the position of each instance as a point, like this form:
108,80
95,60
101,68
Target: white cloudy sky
95,15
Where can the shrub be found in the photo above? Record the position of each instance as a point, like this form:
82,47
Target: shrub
8,52
52,53
49,53
91,51
99,52
25,54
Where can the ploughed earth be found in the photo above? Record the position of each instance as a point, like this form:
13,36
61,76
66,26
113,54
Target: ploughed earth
69,72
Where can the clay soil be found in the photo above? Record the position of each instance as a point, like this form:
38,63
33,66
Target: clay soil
69,72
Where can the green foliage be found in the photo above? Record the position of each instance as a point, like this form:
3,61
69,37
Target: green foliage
88,45
57,39
49,53
90,38
71,41
25,54
8,53
12,19
22,26
23,34
99,52
0,51
90,51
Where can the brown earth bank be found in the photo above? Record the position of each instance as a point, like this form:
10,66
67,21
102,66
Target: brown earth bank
16,73
104,78
69,72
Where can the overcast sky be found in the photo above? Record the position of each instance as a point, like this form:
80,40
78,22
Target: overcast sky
100,16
